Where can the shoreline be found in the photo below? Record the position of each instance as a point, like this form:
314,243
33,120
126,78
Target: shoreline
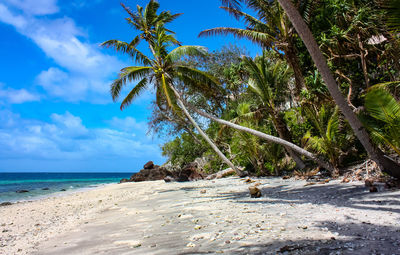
32,186
59,193
206,216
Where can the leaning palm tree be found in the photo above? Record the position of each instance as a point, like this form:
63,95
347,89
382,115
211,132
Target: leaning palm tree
384,162
163,71
269,82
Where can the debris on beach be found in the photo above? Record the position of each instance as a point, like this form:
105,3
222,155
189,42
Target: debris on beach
254,192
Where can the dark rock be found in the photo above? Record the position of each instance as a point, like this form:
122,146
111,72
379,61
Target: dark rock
45,189
169,179
286,177
390,184
373,188
5,204
123,180
189,173
63,190
255,192
149,165
243,174
22,191
154,174
369,183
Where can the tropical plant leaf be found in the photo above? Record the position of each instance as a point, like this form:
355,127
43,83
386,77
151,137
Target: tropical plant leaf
186,51
135,92
382,105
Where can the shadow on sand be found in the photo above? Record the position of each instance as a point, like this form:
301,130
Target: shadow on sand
360,238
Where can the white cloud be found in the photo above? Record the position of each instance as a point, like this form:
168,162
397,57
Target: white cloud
7,17
35,7
17,96
65,137
127,124
83,72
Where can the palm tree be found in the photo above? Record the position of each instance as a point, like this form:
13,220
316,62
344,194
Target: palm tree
385,163
270,30
269,82
162,70
145,21
273,139
329,139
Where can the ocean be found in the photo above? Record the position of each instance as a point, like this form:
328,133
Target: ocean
43,184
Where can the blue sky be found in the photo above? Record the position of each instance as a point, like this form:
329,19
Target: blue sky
56,113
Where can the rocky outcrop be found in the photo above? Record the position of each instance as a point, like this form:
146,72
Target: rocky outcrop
168,173
149,165
153,174
189,173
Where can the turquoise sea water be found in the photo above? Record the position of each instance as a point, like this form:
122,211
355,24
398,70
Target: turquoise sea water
42,184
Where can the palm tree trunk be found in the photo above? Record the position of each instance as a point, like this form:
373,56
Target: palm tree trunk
283,133
204,135
294,62
269,138
386,164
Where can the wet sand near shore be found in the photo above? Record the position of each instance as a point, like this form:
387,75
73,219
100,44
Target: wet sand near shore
207,217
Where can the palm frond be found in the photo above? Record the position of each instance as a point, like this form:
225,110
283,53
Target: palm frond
128,74
232,3
135,92
314,142
251,21
167,91
201,76
332,128
382,105
392,8
186,51
128,48
257,37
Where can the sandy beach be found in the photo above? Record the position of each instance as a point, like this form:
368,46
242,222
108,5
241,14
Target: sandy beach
207,217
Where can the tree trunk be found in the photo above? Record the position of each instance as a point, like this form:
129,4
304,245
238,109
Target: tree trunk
284,133
294,62
269,138
192,134
363,60
386,164
205,136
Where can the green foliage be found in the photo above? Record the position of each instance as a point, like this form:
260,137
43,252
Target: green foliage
383,118
262,93
327,137
183,150
393,14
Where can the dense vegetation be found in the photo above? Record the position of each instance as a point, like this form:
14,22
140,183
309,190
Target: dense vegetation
278,111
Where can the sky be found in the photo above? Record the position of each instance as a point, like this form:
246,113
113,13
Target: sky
56,113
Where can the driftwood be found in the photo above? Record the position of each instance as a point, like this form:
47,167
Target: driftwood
221,174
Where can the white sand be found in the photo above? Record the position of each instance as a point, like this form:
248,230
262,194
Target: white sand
174,218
